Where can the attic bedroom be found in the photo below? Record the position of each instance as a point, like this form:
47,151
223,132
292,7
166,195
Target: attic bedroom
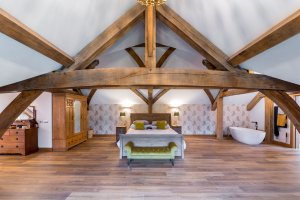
149,99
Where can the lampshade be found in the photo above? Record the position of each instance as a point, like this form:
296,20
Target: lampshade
122,114
176,114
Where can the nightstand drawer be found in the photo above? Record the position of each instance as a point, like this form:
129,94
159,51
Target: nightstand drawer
120,130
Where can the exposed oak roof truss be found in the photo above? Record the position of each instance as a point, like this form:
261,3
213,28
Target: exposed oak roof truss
150,77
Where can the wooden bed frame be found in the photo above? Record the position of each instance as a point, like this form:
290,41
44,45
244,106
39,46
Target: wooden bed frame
151,140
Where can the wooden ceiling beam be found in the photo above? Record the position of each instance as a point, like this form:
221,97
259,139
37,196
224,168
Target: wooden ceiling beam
135,57
259,96
15,108
150,37
193,37
143,77
107,38
237,92
164,57
15,29
277,34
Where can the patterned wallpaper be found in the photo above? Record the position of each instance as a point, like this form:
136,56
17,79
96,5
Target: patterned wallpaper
195,119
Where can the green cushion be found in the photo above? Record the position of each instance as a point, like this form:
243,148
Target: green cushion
161,124
139,125
167,152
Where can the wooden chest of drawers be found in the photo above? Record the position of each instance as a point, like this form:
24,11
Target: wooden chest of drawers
19,141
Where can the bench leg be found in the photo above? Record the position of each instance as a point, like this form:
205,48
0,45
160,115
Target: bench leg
129,161
172,161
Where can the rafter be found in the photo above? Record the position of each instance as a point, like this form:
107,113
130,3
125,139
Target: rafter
107,38
135,57
15,108
259,96
165,56
277,34
143,77
15,29
193,37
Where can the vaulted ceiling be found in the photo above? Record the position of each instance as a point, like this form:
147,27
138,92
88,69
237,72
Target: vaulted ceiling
71,25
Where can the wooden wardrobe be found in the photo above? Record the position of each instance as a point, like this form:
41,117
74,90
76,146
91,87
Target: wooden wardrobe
69,120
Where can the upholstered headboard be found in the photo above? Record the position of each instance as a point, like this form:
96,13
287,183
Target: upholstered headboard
151,117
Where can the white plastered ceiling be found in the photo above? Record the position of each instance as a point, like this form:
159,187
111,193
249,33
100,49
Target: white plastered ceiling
72,24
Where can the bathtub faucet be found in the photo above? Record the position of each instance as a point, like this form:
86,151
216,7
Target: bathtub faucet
256,125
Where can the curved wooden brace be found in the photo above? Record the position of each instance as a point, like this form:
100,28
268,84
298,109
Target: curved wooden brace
15,108
255,101
135,57
210,96
91,94
164,57
287,104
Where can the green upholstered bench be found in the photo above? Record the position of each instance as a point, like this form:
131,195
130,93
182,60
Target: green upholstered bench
167,152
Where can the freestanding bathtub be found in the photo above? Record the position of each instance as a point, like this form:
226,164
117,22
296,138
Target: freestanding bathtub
247,136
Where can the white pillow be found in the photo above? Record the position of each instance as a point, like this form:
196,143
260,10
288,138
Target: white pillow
146,126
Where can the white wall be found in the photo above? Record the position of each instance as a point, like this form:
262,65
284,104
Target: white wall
257,114
43,105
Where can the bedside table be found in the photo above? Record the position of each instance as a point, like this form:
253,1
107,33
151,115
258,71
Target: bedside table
177,128
120,130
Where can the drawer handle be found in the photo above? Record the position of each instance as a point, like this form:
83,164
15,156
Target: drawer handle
17,146
2,146
17,132
17,138
1,138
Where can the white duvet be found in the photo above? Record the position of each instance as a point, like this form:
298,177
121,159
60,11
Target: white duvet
152,131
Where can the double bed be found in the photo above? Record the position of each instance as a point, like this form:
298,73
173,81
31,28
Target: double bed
154,137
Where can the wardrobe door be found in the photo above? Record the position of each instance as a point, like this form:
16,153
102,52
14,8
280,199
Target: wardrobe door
69,117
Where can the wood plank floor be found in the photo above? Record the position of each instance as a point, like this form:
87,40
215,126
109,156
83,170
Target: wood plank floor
212,170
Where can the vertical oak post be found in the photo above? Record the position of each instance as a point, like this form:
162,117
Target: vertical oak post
150,37
219,126
150,100
269,120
